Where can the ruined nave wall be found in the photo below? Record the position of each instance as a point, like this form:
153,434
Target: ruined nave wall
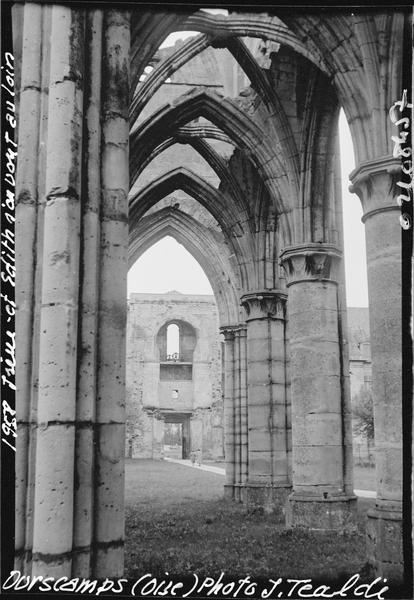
151,398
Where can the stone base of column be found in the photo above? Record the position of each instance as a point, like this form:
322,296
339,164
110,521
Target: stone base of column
228,492
336,513
238,492
109,560
19,561
268,498
384,543
58,566
234,492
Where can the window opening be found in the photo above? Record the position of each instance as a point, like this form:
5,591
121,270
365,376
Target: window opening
173,342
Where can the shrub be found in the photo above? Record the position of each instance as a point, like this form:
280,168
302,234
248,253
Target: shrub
363,410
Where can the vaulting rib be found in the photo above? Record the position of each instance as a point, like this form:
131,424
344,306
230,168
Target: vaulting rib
204,131
248,25
148,31
188,181
224,113
164,70
249,65
185,53
221,32
261,86
187,132
212,157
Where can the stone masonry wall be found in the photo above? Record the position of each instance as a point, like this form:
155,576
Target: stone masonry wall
149,400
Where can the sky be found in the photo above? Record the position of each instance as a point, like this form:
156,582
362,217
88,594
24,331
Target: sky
167,265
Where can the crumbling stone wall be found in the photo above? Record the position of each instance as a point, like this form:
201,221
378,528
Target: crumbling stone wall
149,400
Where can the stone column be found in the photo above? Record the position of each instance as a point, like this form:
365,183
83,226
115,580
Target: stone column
242,337
228,332
268,480
83,514
26,216
320,497
73,514
41,159
53,502
236,414
375,184
110,404
288,396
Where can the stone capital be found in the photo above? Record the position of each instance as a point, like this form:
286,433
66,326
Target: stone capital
264,304
241,330
228,332
310,262
375,183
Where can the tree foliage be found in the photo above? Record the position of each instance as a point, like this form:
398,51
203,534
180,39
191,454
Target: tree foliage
363,411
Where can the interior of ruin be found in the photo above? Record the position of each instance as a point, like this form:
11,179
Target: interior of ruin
173,375
227,141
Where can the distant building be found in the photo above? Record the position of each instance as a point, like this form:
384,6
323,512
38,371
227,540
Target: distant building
173,377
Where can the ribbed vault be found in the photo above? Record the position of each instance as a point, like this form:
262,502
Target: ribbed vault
212,157
250,25
226,115
192,184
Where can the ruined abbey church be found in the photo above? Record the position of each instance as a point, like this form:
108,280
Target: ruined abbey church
227,141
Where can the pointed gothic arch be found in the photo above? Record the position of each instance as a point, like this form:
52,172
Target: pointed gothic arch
250,25
181,178
209,154
242,55
202,245
225,114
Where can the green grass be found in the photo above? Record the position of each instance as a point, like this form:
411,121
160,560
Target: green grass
177,521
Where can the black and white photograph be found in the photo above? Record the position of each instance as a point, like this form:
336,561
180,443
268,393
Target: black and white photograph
206,300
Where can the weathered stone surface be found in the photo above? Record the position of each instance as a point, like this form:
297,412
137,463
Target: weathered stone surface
259,172
149,398
317,393
384,548
266,397
270,499
374,182
324,514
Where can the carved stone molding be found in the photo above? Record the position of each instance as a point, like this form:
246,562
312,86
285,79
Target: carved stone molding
375,182
241,330
154,412
310,262
228,331
264,304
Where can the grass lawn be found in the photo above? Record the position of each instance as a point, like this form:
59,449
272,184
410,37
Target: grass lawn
177,521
